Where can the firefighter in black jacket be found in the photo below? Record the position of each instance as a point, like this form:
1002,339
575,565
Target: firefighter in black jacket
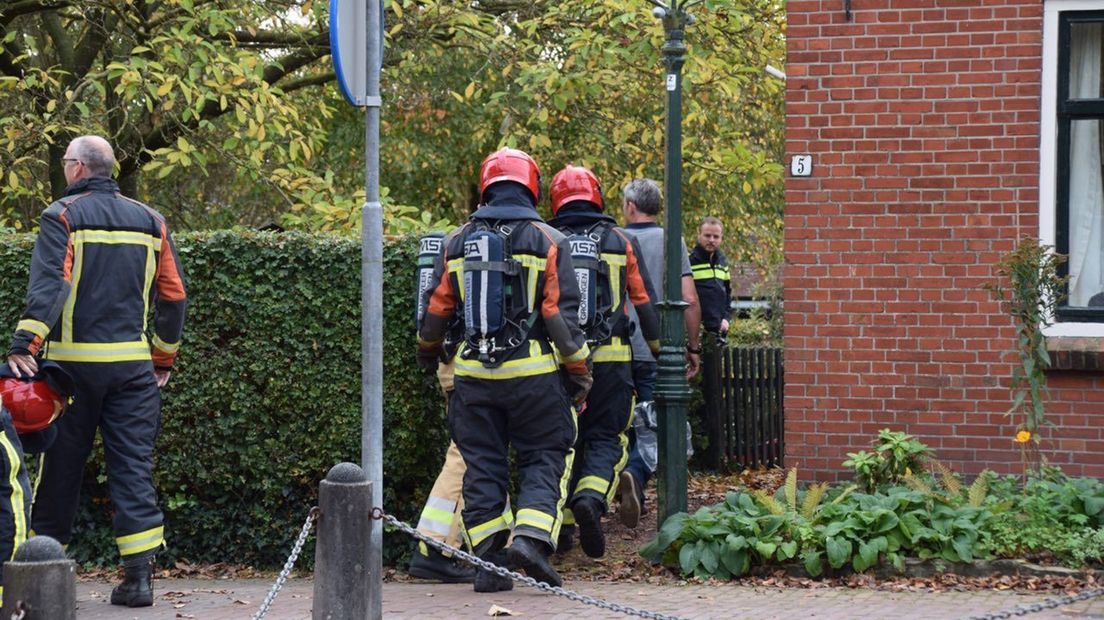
711,277
100,261
510,276
610,276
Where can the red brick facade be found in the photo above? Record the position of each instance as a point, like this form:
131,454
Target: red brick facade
923,120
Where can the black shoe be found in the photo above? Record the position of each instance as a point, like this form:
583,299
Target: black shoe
630,493
532,556
566,541
486,581
588,514
437,567
137,587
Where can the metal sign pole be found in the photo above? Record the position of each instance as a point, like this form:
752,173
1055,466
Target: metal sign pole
372,308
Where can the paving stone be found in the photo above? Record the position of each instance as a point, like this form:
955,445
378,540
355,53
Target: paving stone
181,599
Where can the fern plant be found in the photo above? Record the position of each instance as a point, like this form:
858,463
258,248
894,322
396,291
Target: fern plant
947,488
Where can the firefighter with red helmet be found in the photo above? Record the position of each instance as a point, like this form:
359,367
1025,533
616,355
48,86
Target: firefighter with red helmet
28,408
521,365
101,261
610,277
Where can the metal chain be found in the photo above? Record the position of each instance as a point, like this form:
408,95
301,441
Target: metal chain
378,513
298,547
1050,603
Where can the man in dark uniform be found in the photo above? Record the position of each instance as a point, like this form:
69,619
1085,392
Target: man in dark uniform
611,278
711,277
100,260
521,366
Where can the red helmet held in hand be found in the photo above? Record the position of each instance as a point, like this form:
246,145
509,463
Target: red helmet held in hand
575,183
510,165
33,404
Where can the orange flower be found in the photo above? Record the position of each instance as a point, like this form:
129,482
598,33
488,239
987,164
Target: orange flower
1023,436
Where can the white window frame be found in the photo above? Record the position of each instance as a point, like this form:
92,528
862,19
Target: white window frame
1048,138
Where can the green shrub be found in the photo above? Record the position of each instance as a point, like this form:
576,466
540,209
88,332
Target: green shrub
1052,517
265,397
822,528
896,455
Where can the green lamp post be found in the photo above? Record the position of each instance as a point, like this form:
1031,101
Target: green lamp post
672,393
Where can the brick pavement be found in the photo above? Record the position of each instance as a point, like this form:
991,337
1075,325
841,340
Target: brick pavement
240,599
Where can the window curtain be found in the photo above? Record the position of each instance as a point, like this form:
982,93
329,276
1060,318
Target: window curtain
1086,195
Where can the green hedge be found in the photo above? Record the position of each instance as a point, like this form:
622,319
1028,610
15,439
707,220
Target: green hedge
265,397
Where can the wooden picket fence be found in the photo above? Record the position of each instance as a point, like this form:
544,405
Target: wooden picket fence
743,407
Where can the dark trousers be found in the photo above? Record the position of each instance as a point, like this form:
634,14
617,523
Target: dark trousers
644,378
15,491
601,450
122,401
533,415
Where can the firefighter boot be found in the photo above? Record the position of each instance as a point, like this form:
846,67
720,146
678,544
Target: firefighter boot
532,555
566,541
428,563
137,587
486,581
588,514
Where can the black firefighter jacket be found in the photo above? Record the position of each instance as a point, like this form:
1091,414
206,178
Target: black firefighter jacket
100,262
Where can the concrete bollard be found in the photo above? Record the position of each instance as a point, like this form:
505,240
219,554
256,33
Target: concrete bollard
41,582
341,552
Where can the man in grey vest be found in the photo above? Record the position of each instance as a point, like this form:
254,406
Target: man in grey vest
642,201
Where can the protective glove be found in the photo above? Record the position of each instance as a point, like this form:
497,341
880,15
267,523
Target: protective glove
578,386
428,359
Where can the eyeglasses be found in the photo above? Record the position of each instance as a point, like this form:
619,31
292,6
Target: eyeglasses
66,160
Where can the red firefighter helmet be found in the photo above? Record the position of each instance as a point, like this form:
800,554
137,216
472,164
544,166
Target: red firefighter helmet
33,404
575,183
510,165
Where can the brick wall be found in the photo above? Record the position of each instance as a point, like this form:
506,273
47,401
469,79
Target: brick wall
922,117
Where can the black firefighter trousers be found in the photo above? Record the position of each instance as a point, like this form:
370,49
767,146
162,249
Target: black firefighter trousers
122,400
602,448
532,414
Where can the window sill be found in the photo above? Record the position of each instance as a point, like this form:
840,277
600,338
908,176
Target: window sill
1076,352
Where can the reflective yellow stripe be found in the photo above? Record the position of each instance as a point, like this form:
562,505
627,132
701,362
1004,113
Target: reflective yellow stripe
124,237
594,483
437,516
615,351
98,351
536,364
708,272
581,354
142,541
16,499
565,479
568,517
164,346
70,302
151,271
37,328
535,265
456,266
37,481
616,262
623,439
535,518
481,532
